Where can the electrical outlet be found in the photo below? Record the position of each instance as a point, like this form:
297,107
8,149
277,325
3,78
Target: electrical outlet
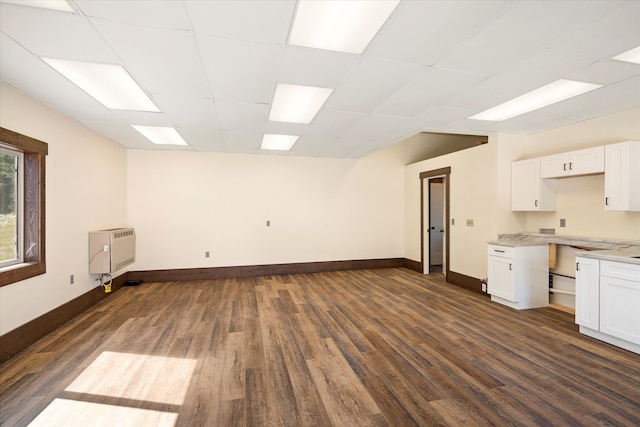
469,223
563,222
71,279
453,221
206,254
268,223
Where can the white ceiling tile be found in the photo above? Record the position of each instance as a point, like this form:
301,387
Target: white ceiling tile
240,71
242,142
331,122
371,83
315,67
605,72
120,132
186,111
257,21
607,36
31,75
162,61
521,31
143,118
432,88
373,126
154,13
54,34
423,32
203,139
242,116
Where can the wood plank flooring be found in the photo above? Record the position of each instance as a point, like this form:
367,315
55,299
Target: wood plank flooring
354,348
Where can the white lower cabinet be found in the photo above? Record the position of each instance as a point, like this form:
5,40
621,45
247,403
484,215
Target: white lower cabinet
588,292
608,301
518,277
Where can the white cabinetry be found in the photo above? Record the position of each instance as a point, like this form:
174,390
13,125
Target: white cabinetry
588,292
622,176
580,162
608,301
528,191
620,300
518,277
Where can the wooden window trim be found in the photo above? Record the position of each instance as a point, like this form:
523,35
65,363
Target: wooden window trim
35,152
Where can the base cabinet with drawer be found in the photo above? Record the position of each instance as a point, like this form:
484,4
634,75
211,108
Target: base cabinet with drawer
608,301
518,277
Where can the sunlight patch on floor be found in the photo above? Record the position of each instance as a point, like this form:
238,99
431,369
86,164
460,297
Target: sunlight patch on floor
137,376
73,413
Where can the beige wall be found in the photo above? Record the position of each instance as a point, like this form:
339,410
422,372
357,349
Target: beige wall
184,203
86,188
481,190
473,196
580,199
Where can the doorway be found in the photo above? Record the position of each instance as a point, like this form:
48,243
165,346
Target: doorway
436,225
434,220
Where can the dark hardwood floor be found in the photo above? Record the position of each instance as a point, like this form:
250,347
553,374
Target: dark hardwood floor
370,347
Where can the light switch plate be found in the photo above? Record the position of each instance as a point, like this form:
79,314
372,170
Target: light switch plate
469,223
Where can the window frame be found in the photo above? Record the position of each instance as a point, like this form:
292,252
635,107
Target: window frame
33,213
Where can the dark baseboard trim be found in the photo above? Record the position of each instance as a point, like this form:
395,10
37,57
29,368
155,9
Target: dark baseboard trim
466,282
262,270
23,336
413,265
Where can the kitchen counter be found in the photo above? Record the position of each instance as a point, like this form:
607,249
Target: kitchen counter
593,247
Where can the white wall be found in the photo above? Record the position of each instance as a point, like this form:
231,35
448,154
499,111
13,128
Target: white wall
85,190
184,203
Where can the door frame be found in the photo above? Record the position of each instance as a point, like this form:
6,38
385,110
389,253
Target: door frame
446,172
430,248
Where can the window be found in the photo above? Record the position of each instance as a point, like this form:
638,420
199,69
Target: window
22,197
11,166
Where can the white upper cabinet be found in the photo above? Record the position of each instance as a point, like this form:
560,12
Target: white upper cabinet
580,162
622,176
528,191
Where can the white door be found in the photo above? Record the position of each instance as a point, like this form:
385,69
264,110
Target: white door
436,222
620,308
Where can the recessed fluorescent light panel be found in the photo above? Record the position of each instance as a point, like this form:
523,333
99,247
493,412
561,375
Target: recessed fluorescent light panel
59,5
539,98
109,84
343,26
632,55
161,135
278,142
297,104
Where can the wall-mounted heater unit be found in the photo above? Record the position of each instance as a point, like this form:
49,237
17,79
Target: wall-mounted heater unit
111,250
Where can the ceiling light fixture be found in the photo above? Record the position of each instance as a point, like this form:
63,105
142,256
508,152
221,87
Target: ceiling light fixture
632,56
111,85
536,99
297,104
59,5
160,135
272,141
343,26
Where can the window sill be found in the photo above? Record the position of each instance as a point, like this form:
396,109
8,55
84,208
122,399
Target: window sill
17,272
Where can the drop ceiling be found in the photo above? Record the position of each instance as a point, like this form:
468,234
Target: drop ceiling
212,68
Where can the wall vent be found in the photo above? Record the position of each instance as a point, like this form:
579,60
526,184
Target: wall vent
111,250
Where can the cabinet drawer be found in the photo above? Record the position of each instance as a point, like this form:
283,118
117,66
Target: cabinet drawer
620,270
501,251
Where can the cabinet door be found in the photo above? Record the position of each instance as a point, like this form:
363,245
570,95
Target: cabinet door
588,292
622,176
590,160
501,278
528,191
554,166
620,308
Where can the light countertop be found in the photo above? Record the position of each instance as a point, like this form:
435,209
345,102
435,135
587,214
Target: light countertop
593,247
